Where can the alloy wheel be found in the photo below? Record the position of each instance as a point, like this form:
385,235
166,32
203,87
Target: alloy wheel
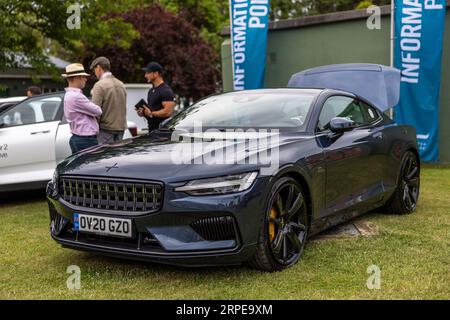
287,224
410,181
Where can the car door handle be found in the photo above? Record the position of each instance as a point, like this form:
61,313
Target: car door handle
41,132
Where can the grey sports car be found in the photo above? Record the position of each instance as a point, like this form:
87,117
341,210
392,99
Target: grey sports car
207,196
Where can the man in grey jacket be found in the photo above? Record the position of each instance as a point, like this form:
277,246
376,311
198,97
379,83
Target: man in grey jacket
110,94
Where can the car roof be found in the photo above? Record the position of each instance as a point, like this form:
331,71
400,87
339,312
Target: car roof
43,95
279,90
12,99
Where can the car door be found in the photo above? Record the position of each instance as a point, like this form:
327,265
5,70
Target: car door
62,146
27,136
354,159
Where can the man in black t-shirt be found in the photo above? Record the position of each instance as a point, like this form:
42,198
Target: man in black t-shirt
160,98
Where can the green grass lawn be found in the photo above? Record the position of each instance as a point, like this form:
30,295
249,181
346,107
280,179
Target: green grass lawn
413,253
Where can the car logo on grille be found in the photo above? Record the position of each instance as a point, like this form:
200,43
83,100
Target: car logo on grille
113,167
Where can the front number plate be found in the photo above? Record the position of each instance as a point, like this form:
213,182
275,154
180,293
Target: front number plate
102,225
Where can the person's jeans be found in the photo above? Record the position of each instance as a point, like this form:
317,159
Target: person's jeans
78,143
106,136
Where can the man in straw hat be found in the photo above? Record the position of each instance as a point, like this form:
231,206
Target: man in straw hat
81,113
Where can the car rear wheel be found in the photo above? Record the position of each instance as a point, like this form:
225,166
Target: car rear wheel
284,229
404,200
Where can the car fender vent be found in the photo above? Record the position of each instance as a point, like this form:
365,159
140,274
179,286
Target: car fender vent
215,228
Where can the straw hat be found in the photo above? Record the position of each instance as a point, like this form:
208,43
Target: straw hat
74,70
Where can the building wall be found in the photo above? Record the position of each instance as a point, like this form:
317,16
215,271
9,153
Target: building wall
14,82
346,41
444,115
17,87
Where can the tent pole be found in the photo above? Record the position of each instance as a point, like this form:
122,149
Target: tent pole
391,111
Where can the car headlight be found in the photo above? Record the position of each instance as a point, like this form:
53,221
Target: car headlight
55,179
52,186
219,185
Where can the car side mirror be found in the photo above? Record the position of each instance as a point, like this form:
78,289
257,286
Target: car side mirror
340,125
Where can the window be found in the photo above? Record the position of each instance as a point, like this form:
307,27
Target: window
278,109
42,109
370,113
346,107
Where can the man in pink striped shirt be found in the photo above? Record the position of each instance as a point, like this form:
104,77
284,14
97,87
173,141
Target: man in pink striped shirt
81,113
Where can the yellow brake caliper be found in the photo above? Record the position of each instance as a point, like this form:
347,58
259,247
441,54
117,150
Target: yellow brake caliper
273,215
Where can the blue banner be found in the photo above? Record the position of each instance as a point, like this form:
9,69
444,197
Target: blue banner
419,32
249,21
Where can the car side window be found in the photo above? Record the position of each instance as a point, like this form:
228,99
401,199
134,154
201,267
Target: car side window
42,109
370,113
340,106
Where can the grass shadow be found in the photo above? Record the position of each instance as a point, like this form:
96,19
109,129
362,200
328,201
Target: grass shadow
124,263
14,198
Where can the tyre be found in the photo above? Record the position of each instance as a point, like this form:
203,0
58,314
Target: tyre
405,197
284,229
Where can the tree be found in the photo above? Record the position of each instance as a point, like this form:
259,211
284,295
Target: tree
282,9
325,6
27,27
208,16
191,64
285,9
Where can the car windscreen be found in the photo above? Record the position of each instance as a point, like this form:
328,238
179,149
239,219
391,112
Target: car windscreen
247,110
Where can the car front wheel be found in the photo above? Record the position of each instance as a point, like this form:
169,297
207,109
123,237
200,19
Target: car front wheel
284,229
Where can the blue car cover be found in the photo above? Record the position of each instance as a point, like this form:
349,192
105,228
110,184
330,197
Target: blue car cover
378,84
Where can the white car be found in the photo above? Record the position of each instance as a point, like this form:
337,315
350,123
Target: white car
34,138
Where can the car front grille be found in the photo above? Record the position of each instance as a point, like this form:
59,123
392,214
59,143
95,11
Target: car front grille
125,196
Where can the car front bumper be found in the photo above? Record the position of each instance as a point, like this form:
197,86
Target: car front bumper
186,231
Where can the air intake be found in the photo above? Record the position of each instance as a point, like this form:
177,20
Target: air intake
215,228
